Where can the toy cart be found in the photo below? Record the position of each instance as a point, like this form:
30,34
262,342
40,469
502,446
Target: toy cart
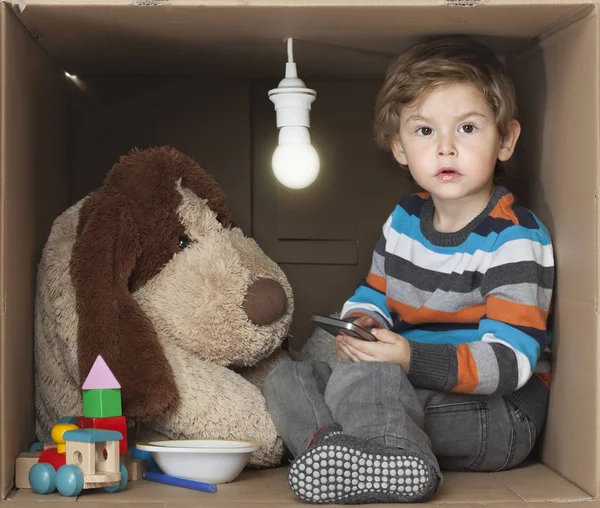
92,461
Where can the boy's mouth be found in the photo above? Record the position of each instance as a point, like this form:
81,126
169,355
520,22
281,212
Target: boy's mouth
448,174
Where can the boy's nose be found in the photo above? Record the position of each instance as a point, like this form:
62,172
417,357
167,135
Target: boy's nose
446,147
450,151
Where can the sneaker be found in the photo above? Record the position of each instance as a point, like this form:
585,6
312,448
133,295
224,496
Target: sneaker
347,470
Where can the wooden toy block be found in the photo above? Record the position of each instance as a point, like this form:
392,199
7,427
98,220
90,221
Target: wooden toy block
100,377
102,403
118,423
138,468
23,465
146,457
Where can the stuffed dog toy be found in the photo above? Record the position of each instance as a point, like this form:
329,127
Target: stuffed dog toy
150,272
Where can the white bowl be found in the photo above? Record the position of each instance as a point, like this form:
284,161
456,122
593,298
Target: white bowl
205,460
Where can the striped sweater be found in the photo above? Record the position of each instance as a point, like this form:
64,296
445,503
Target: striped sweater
473,304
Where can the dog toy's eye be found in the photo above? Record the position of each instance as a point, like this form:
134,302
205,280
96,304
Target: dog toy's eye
184,241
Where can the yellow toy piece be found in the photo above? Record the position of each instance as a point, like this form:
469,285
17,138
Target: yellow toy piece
57,435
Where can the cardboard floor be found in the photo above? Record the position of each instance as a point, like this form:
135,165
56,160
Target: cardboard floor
531,484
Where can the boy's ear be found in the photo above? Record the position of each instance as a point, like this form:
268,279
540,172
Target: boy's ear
398,150
508,142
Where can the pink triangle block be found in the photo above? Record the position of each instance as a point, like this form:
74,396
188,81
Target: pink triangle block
100,377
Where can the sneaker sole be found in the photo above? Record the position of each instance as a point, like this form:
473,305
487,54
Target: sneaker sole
346,472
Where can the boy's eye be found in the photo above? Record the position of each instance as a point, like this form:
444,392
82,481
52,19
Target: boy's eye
425,131
467,129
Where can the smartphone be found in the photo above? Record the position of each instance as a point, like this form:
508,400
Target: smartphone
337,326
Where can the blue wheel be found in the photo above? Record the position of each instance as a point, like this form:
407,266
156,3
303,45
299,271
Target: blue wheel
42,478
69,480
123,484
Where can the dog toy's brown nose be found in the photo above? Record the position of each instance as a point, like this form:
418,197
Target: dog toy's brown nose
265,302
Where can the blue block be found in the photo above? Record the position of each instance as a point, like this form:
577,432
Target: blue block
139,454
147,456
92,435
37,447
68,419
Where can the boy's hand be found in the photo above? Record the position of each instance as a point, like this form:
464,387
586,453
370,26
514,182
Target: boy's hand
390,347
365,322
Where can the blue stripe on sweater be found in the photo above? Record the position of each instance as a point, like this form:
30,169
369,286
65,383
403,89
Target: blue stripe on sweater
519,340
413,204
454,337
410,226
516,338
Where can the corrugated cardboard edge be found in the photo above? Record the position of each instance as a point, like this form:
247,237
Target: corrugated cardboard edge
4,480
597,278
290,3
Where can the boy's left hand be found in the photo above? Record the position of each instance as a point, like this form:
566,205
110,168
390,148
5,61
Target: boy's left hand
390,347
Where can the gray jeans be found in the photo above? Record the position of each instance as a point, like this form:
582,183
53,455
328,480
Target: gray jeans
376,402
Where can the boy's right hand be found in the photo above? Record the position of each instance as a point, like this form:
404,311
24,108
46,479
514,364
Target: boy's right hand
366,322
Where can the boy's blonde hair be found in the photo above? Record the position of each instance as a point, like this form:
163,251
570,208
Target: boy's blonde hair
442,62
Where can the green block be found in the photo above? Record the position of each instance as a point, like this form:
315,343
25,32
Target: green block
102,403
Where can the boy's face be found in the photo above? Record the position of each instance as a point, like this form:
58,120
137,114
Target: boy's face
450,142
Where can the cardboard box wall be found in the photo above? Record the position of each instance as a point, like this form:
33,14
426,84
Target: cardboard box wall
195,75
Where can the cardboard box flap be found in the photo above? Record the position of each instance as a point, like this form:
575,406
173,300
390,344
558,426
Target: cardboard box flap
244,39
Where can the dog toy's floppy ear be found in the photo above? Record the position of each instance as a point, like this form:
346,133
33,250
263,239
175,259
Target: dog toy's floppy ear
110,322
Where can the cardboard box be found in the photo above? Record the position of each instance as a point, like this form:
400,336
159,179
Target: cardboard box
195,74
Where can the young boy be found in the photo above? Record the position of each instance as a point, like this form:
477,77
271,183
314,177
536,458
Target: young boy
458,297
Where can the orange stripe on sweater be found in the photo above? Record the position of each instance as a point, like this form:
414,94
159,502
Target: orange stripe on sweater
414,315
468,377
503,209
516,313
377,281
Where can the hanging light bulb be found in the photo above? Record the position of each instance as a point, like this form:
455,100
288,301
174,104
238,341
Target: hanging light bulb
295,161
